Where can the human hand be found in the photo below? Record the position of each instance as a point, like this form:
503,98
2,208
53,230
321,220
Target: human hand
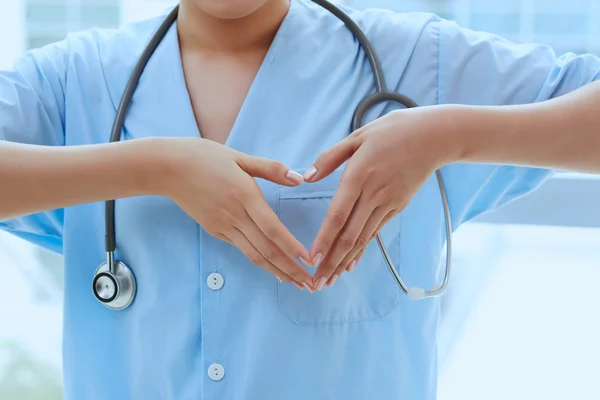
214,185
388,161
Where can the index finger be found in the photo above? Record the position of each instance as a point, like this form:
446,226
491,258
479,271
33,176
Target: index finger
272,227
339,211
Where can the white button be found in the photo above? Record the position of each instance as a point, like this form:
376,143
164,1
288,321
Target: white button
215,281
216,372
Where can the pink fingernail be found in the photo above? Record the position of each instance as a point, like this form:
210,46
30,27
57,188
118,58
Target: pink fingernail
305,261
310,290
308,175
297,285
333,279
351,266
294,177
317,259
321,283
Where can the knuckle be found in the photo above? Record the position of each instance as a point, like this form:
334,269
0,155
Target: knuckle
352,178
381,194
256,259
326,244
220,227
274,167
328,269
357,181
221,237
338,220
371,172
346,244
361,242
295,275
270,255
222,214
271,232
238,191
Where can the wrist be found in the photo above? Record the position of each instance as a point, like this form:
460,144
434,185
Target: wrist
493,134
452,133
154,166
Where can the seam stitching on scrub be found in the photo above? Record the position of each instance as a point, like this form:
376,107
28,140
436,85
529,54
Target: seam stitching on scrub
281,34
378,316
63,82
110,95
316,194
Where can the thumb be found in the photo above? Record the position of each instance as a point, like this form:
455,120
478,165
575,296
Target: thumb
329,160
270,170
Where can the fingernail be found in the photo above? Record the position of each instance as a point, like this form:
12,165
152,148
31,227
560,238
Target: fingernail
305,261
321,283
351,266
298,285
310,290
333,279
279,279
294,177
317,259
308,175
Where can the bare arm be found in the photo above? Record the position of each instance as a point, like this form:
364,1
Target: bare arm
562,133
38,178
391,158
210,182
213,184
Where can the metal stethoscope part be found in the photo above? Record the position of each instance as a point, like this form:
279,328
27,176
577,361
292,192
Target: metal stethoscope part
114,283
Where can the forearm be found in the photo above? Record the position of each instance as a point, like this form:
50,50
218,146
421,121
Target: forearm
563,133
38,178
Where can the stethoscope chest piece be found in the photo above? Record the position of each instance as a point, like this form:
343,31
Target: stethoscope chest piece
114,283
115,289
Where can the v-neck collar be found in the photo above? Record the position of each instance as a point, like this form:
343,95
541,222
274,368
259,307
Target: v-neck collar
161,105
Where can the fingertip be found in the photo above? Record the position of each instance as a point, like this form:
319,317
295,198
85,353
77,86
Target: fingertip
351,266
333,279
305,261
310,174
294,178
319,284
316,260
303,254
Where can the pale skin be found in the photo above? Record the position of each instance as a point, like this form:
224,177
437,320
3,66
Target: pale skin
391,158
222,46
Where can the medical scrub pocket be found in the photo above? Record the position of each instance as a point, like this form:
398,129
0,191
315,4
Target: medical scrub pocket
367,293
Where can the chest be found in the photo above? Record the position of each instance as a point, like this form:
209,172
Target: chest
218,85
283,108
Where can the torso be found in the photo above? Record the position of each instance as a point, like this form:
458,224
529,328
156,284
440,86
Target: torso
301,104
218,85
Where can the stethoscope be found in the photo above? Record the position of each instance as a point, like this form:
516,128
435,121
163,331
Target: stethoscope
114,283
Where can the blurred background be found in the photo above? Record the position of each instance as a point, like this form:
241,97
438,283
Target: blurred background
521,318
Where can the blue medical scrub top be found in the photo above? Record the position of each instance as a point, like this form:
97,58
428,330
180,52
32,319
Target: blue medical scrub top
208,324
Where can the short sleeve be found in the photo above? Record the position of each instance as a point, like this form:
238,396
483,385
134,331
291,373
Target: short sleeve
32,110
477,68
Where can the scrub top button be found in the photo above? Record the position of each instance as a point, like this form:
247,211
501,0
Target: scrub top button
215,281
216,372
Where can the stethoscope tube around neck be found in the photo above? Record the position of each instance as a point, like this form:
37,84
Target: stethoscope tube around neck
114,269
